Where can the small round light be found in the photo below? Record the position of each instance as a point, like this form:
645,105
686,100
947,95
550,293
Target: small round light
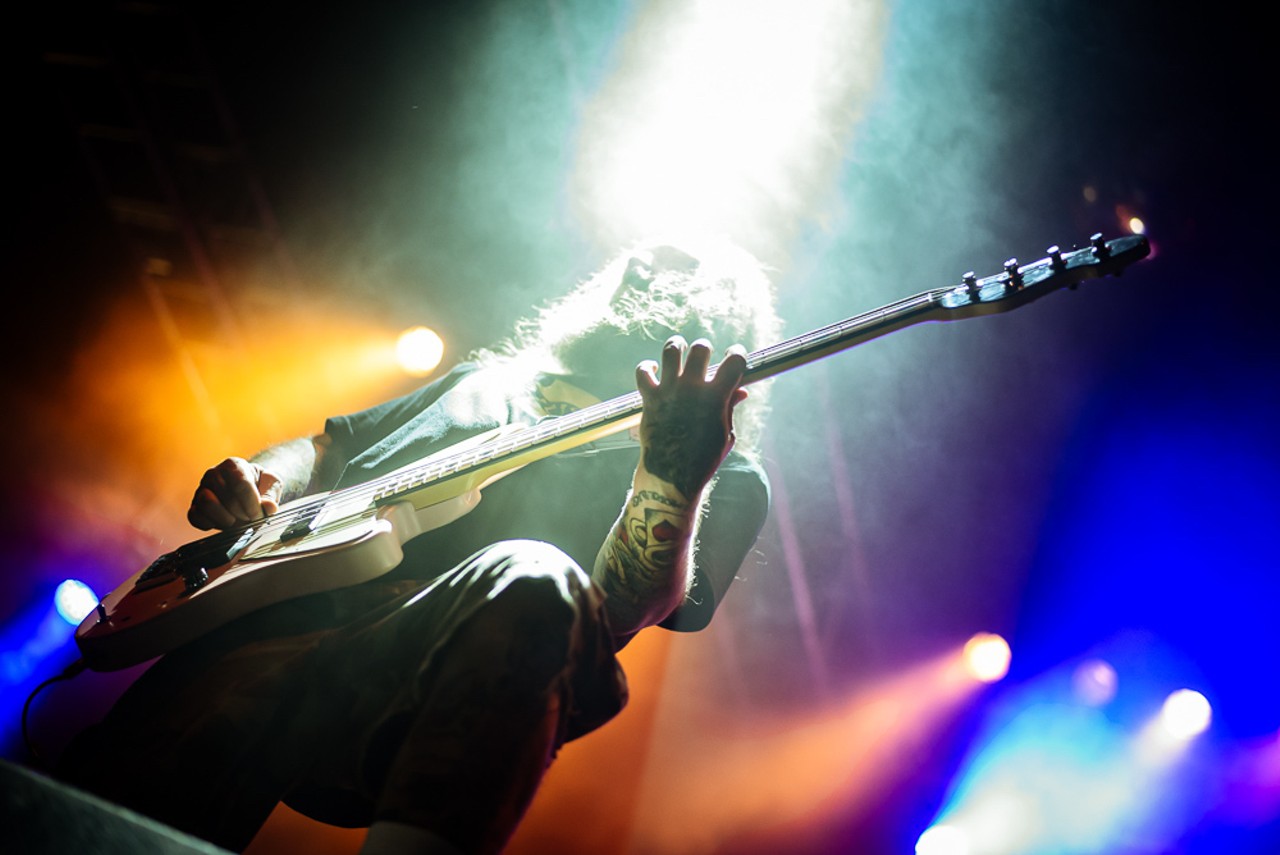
419,350
986,657
1136,226
1186,714
1095,682
74,599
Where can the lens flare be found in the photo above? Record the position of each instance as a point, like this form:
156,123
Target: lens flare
419,350
987,657
1095,682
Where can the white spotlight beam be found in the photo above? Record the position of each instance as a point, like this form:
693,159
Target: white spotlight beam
726,116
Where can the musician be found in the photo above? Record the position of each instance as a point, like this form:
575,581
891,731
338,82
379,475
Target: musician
428,703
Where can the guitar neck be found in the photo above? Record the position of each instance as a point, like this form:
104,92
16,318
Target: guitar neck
810,347
1014,287
474,467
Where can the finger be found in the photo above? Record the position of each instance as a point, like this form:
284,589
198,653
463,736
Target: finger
237,490
698,359
207,512
234,487
672,355
270,488
731,371
647,376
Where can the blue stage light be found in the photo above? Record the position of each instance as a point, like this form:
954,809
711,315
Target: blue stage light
1186,714
1082,759
74,599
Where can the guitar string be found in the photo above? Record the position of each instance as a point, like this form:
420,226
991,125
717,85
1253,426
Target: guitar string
761,364
590,417
761,361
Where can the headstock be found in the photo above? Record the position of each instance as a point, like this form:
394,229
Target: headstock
1018,285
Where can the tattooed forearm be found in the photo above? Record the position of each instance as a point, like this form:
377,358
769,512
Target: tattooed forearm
686,430
643,563
641,496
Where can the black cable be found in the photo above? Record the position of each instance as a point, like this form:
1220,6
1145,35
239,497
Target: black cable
66,674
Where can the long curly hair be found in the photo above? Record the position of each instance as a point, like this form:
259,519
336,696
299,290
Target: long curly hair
704,288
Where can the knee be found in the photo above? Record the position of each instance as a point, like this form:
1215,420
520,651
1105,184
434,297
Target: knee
537,573
529,557
539,601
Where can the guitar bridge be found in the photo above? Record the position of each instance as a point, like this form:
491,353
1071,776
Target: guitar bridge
302,526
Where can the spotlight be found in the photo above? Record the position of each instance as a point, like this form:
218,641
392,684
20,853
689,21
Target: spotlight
986,657
1136,226
943,840
1186,714
419,350
74,599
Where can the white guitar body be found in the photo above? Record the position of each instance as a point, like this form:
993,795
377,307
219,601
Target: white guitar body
133,624
351,541
353,535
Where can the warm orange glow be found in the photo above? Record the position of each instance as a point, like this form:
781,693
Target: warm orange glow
744,777
137,423
289,831
124,437
605,768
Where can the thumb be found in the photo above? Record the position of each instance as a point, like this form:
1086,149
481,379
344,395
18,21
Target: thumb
270,489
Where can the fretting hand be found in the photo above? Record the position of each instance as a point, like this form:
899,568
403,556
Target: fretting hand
687,426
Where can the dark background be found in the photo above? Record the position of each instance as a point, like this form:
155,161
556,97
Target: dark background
1100,463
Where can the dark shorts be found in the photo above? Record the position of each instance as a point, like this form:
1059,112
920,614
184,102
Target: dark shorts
416,710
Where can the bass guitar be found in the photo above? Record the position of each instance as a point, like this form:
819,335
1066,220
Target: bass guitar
349,536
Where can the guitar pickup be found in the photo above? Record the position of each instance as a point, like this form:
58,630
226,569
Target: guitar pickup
241,542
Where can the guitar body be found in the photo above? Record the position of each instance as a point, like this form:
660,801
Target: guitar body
355,534
195,589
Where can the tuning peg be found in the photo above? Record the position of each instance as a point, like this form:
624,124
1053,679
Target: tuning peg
1015,278
1055,258
1099,244
970,281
